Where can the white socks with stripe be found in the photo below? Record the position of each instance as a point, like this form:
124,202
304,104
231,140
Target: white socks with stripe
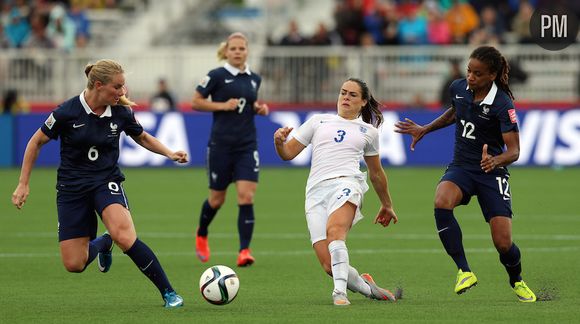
356,283
339,264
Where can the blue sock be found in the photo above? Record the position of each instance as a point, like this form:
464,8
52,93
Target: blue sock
100,244
245,225
147,262
450,235
205,218
511,260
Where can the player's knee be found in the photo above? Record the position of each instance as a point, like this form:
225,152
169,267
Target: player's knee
76,266
124,239
502,245
245,198
216,202
443,202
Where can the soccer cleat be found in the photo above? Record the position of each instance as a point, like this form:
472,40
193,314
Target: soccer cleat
340,299
201,247
377,292
172,299
465,281
525,294
105,259
245,258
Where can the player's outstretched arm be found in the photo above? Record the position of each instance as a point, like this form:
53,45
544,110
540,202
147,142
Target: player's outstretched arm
154,145
379,180
30,155
417,131
287,150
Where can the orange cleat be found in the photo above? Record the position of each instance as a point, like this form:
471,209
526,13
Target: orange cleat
377,292
245,258
201,248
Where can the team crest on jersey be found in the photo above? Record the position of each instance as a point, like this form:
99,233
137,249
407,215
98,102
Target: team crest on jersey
485,110
113,128
203,83
50,121
363,129
254,84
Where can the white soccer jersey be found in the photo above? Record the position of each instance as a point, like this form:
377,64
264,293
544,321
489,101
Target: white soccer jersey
338,145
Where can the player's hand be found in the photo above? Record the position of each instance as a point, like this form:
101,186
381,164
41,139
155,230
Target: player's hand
385,216
410,127
281,135
231,104
20,194
488,162
261,109
179,156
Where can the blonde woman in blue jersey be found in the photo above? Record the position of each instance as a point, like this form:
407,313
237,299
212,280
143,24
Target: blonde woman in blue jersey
336,185
89,180
232,149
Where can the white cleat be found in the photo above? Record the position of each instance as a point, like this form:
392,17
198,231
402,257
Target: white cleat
340,298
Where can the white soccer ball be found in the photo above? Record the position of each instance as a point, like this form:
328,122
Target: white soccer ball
219,285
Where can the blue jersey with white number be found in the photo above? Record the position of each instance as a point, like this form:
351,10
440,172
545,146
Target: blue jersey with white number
479,123
89,144
232,129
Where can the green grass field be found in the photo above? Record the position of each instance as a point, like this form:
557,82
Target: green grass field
286,284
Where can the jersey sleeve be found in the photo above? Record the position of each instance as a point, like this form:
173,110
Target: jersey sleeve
452,90
508,119
305,132
207,85
372,147
53,124
132,126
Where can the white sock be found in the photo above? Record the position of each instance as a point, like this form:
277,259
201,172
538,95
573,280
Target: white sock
356,283
339,263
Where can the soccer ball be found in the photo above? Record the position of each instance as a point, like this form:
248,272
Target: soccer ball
219,285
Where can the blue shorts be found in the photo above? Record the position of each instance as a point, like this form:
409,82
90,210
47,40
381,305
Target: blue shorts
76,211
227,166
492,189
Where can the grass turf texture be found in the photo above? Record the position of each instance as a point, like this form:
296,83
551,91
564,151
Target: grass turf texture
286,283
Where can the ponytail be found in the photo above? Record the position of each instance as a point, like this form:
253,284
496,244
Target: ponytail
103,71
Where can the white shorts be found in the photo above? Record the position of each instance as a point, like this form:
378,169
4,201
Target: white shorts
329,195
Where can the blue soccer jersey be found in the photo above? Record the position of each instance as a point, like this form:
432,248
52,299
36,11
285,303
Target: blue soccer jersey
233,129
479,123
89,144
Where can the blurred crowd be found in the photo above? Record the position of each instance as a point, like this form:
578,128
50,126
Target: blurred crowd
423,22
47,23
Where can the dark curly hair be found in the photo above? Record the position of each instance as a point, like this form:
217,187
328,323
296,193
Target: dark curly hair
496,63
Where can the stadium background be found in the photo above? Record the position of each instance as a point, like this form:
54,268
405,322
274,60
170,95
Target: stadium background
376,40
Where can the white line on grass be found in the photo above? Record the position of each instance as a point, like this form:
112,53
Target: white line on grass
560,249
293,236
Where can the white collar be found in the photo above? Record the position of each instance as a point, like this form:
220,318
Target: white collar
235,71
488,100
88,109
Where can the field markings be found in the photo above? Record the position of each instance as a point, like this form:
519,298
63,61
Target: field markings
559,249
295,236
